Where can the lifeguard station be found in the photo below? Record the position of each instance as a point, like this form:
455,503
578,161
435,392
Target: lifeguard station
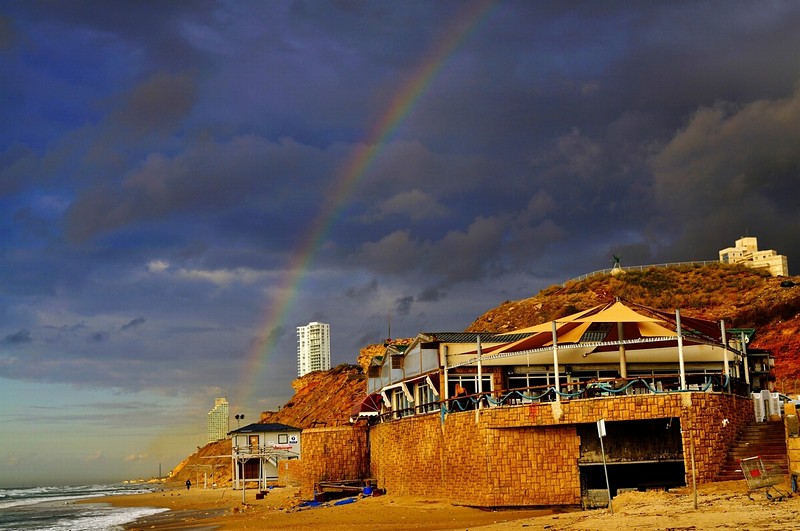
256,450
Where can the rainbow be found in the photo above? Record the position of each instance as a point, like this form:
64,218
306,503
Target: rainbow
355,167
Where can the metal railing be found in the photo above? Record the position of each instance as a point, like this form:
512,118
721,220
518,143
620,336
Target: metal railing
606,387
639,268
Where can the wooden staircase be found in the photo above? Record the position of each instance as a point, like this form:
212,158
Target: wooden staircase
765,439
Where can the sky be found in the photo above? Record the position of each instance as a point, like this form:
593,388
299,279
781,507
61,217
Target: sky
182,184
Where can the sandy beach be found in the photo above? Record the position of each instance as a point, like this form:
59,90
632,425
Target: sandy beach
719,506
222,509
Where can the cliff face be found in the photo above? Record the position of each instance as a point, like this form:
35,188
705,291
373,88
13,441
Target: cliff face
327,398
744,298
211,463
322,398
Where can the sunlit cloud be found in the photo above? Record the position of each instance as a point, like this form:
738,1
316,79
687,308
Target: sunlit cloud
222,277
157,266
98,455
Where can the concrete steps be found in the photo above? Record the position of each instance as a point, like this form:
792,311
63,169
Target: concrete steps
765,439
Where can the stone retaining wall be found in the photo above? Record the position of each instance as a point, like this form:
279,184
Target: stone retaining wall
328,454
528,454
523,455
290,473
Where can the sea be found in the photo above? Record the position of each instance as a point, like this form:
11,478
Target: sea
55,508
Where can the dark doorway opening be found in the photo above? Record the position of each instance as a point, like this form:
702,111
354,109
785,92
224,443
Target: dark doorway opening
639,476
639,454
250,470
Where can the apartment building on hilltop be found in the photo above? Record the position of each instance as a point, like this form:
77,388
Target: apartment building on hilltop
746,252
313,348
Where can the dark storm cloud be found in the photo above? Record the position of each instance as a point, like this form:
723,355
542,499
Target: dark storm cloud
22,336
363,292
7,33
15,164
697,52
157,105
183,160
164,41
133,323
402,306
457,256
414,205
206,179
99,337
733,169
430,294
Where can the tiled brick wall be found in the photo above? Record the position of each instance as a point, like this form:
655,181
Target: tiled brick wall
328,454
290,473
715,422
508,456
465,462
528,455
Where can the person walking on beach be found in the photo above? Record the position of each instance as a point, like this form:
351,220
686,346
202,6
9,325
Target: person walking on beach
188,484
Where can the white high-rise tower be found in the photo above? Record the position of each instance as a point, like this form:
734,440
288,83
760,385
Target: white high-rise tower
218,420
313,348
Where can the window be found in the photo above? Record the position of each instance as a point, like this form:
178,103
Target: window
537,380
400,404
468,382
582,379
593,375
424,398
283,438
530,384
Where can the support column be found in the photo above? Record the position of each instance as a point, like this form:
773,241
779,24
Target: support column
623,361
744,361
555,363
680,348
480,374
446,394
725,370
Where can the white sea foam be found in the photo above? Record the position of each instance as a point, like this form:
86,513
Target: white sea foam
102,520
54,508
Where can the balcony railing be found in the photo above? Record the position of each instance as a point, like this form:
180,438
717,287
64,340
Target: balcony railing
610,387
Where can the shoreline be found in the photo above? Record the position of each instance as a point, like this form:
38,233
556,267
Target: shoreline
184,520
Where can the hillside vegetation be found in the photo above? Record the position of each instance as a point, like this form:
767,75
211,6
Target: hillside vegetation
744,298
322,398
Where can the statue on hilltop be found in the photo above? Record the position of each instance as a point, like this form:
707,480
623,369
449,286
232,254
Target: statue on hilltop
617,268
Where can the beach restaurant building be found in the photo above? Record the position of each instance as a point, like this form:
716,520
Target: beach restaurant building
513,419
